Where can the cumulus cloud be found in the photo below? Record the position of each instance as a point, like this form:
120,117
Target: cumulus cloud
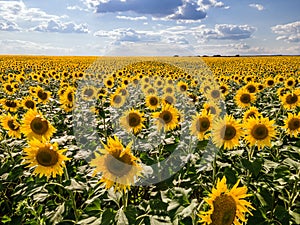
225,31
17,10
58,26
129,35
289,32
164,9
259,7
9,26
188,11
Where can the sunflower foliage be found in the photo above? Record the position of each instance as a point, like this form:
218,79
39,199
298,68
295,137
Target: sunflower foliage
117,140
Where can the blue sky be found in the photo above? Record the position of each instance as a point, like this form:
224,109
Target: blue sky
149,27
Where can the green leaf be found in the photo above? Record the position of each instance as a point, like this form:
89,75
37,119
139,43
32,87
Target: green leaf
108,216
5,219
57,216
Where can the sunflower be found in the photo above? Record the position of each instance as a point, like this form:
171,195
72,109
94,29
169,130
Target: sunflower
68,96
290,82
292,124
150,91
243,98
259,131
109,82
42,96
270,82
10,105
291,100
11,124
169,99
201,125
152,102
45,157
212,108
169,89
34,125
88,93
118,166
167,118
224,88
213,94
227,207
132,121
226,132
117,100
251,87
251,112
182,86
28,103
9,89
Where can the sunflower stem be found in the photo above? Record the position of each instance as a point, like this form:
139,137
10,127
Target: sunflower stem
72,197
124,198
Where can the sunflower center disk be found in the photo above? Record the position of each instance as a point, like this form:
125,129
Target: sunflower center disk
70,97
89,92
245,98
224,210
29,104
117,99
42,95
291,99
202,124
229,132
215,94
11,104
134,119
294,124
259,132
251,88
39,126
119,166
47,157
153,101
166,116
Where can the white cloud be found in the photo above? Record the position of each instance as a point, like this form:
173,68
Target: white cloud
164,9
18,11
58,26
9,26
132,18
224,31
259,7
289,32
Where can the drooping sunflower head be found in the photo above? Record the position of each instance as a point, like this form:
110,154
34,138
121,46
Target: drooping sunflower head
251,112
119,167
34,125
132,121
292,124
227,206
259,131
167,118
226,132
45,157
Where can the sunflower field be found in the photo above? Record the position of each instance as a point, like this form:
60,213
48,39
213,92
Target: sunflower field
149,140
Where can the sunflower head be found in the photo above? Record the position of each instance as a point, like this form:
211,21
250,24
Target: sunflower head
132,121
292,124
34,125
119,167
11,124
167,118
201,125
45,157
152,102
227,206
